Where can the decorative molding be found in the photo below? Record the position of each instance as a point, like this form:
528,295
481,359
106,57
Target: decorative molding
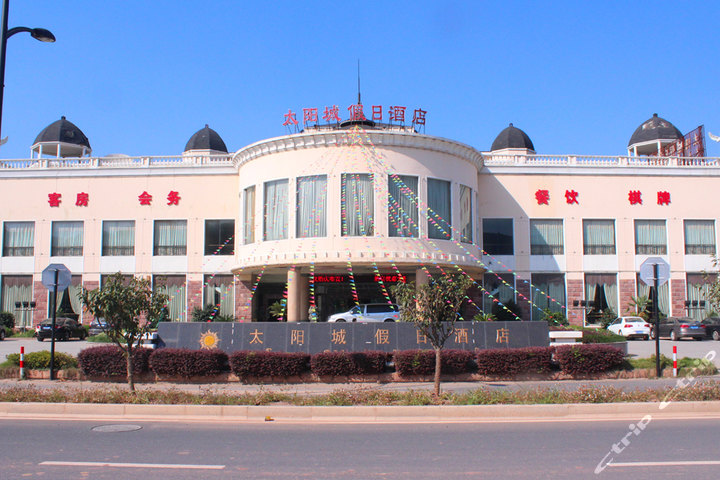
379,138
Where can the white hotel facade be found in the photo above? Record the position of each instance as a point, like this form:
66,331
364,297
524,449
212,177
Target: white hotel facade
335,214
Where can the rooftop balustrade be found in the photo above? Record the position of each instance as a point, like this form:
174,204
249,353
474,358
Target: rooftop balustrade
489,160
119,161
497,160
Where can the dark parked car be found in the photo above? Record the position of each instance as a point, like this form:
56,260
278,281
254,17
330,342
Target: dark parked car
65,329
97,327
681,327
712,327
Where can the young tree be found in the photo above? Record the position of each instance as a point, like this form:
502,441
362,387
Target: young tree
433,308
129,308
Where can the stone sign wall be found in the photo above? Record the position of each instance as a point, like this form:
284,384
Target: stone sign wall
353,337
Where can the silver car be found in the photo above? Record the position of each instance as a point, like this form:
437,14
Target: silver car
369,312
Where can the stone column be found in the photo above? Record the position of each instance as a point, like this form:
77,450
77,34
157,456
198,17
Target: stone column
475,295
194,297
40,297
292,309
421,278
627,290
243,300
575,292
304,291
677,297
89,285
524,297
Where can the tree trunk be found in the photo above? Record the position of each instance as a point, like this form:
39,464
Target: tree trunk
130,378
438,366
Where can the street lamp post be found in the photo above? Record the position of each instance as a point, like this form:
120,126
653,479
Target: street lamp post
37,33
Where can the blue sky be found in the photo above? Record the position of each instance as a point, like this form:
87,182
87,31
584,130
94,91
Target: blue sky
140,77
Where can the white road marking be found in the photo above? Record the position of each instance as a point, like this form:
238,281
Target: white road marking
664,464
133,465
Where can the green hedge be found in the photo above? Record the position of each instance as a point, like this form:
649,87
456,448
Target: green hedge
41,360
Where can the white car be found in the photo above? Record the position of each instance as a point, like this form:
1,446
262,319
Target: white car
369,312
630,327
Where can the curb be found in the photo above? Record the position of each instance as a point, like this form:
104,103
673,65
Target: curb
361,414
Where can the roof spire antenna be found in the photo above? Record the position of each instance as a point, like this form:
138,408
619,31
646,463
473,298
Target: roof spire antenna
359,102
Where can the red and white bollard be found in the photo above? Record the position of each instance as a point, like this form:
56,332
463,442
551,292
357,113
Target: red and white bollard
674,360
22,363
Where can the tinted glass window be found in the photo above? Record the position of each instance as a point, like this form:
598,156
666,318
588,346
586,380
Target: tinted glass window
498,236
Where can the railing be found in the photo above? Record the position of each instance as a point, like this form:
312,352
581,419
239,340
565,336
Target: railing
492,160
118,162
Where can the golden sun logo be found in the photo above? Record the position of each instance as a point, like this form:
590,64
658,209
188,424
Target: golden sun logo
209,340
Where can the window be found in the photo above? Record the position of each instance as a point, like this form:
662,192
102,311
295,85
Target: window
439,222
466,223
600,289
650,237
67,239
69,304
698,290
699,237
548,292
125,279
249,215
17,288
643,290
500,287
311,206
403,206
219,237
276,210
358,205
118,238
170,237
546,237
218,291
498,236
174,287
599,237
18,239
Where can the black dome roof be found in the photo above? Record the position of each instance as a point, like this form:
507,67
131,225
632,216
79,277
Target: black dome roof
206,139
512,137
62,131
655,128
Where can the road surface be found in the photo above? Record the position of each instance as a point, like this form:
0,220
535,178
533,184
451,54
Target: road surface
57,450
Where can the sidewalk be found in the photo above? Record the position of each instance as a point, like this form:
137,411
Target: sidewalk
355,414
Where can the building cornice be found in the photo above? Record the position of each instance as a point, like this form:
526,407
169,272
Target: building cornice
378,138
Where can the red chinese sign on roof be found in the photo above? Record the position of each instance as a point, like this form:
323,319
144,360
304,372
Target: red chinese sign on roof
396,114
691,145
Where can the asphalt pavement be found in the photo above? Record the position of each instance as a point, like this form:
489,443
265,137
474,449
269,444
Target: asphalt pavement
649,449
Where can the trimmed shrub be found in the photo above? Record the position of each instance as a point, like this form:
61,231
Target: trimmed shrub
584,359
188,363
41,360
348,363
109,360
514,360
422,362
594,335
7,319
247,363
